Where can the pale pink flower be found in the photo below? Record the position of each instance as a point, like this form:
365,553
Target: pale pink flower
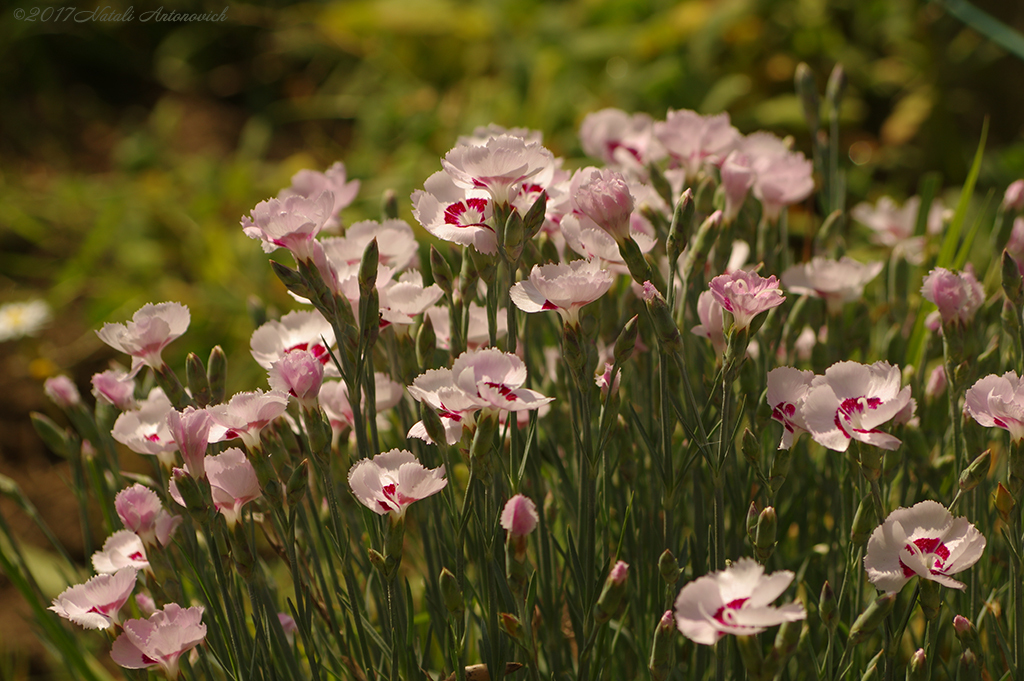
477,336
519,517
837,281
736,600
712,324
145,430
746,295
620,139
390,482
805,342
62,391
1015,244
233,483
958,295
300,374
923,540
311,184
142,512
334,399
483,133
437,389
454,214
936,384
787,389
190,431
583,236
738,177
851,401
694,141
147,606
495,379
300,330
564,288
998,401
152,328
893,226
783,181
403,300
396,243
604,197
1014,196
160,640
603,379
292,223
96,603
245,416
500,166
122,549
114,387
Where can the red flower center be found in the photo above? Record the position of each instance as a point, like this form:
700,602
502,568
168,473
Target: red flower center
468,213
927,545
722,613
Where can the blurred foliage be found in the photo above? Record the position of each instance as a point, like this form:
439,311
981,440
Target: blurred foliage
131,148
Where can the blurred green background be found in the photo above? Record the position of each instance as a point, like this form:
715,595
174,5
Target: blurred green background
130,149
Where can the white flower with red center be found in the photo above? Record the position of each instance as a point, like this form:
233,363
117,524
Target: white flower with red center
292,223
958,295
694,141
998,401
837,281
851,401
500,166
624,141
496,378
151,329
923,540
746,295
96,603
122,549
233,483
141,511
787,389
712,324
160,640
564,288
390,482
396,243
300,330
477,335
145,430
736,600
246,415
114,387
190,430
454,214
437,389
312,184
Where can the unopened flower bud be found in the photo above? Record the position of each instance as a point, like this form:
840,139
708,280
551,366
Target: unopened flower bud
389,205
298,483
752,517
626,341
1013,199
604,197
1013,283
836,87
534,219
828,608
661,648
512,626
426,343
612,593
434,427
190,492
764,539
786,641
664,325
515,236
973,475
1004,502
62,392
668,566
368,268
930,598
217,374
197,380
241,551
917,670
872,617
519,517
807,90
441,271
871,673
451,594
864,521
751,448
936,384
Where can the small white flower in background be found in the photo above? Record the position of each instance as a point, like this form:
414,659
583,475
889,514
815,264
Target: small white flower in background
151,329
18,320
1014,196
893,226
564,288
334,399
122,549
145,430
784,177
851,401
958,295
998,401
477,336
310,184
623,141
837,281
96,603
738,177
390,482
693,141
160,640
736,600
923,540
395,240
787,389
482,133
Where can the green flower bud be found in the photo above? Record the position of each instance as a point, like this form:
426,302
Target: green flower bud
217,374
661,648
668,566
198,382
515,236
451,594
389,205
534,219
426,343
1013,283
828,608
872,617
682,225
864,521
930,598
626,341
368,268
441,271
807,90
974,474
764,540
298,483
612,593
917,670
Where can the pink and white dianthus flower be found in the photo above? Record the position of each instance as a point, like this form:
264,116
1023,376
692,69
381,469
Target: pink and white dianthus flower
122,549
693,140
851,401
738,176
837,281
145,430
96,604
736,600
299,330
998,401
924,540
311,184
712,324
454,214
114,387
335,400
300,374
605,198
245,415
958,295
519,516
62,391
623,141
190,431
160,640
1013,199
403,300
477,335
787,389
893,225
500,166
437,389
233,483
564,288
746,295
396,243
495,379
151,329
141,511
292,223
482,133
390,482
